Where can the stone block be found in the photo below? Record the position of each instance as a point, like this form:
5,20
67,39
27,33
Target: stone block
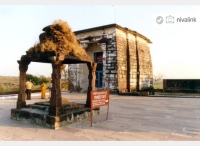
144,93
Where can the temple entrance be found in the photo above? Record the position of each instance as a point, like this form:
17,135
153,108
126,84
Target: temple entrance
98,79
98,58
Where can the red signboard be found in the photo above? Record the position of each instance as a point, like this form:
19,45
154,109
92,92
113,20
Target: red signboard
98,99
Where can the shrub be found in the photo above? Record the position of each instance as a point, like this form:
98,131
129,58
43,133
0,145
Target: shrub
1,88
43,79
64,85
37,80
34,79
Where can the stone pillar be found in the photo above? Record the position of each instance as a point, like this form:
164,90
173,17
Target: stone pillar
56,99
92,78
23,67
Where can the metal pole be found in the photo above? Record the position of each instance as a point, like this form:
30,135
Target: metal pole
108,93
91,109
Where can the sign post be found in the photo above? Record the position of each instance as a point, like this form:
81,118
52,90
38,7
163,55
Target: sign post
98,99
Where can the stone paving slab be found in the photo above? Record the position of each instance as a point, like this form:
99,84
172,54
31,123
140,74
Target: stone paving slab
130,118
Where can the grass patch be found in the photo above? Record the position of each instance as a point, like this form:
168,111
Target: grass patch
158,85
10,85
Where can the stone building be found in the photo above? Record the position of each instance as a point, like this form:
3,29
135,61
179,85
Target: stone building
123,59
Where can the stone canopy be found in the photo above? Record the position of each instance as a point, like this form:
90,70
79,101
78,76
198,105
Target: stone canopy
58,45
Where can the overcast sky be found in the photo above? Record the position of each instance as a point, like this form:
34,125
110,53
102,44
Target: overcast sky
174,49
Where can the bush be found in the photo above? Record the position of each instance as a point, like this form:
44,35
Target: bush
43,79
1,88
34,79
37,80
64,85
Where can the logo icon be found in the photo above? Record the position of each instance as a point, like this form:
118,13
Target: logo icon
169,19
159,19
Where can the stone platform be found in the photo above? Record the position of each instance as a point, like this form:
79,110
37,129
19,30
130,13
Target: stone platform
38,113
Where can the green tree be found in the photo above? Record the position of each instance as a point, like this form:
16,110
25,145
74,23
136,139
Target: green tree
43,79
38,80
158,78
64,74
1,88
34,79
158,81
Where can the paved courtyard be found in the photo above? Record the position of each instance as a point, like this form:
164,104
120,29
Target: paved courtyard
131,118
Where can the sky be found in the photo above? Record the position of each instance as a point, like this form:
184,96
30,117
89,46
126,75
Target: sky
174,49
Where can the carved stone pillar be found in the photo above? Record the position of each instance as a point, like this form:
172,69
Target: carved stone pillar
23,67
92,78
56,99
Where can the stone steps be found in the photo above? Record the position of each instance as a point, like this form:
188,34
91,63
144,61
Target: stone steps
38,113
71,106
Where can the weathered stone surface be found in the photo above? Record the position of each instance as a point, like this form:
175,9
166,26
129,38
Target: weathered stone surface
126,58
35,114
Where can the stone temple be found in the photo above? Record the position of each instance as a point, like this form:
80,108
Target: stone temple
123,58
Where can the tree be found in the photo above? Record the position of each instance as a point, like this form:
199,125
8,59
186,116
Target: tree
1,88
158,78
64,74
33,78
37,80
43,79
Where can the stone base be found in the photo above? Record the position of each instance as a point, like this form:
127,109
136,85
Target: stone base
38,113
129,93
143,93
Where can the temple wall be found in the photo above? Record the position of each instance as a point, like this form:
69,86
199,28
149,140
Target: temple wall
120,60
145,63
108,48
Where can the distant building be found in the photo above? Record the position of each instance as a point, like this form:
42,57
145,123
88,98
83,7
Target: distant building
122,55
181,85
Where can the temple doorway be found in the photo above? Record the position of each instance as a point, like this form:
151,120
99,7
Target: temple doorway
98,58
